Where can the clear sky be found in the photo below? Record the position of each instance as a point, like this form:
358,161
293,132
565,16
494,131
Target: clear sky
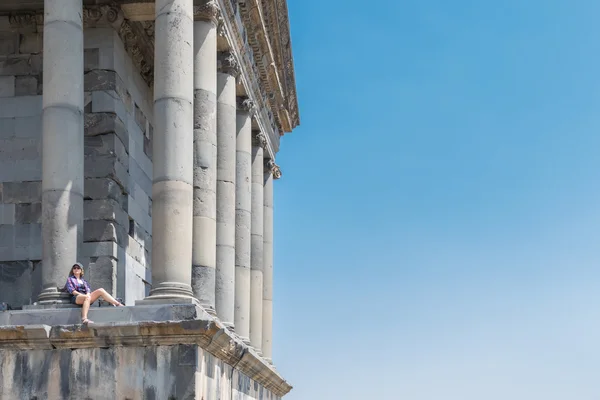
438,220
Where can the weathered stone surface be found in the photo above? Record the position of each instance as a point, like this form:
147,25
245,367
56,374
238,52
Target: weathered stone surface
16,148
22,192
107,167
8,43
31,43
102,273
102,188
91,59
21,65
105,209
106,145
101,80
26,86
103,231
7,86
28,213
20,282
7,214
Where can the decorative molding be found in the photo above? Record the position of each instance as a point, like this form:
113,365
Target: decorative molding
227,63
209,11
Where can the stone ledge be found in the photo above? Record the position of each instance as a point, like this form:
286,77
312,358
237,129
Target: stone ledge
142,325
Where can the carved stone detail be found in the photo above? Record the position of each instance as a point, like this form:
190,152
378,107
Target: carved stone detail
246,104
259,139
227,63
273,168
209,11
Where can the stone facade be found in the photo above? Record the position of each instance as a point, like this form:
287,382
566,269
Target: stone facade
127,121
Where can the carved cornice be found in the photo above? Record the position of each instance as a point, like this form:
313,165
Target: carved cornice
209,11
246,104
227,63
259,139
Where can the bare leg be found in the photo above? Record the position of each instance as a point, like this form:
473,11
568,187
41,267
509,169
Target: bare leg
85,303
104,294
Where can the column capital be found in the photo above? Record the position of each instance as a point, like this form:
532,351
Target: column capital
273,168
246,104
209,10
227,63
259,139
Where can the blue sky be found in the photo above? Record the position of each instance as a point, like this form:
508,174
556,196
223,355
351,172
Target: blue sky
437,223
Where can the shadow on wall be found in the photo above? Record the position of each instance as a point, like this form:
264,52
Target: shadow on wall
116,235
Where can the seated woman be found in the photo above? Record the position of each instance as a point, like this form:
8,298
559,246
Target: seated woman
81,293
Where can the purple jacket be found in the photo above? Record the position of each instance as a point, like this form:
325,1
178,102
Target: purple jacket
72,284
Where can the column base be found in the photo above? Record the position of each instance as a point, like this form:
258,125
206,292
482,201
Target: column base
51,296
171,290
229,326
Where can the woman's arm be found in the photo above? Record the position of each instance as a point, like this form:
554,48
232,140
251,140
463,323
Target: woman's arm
71,287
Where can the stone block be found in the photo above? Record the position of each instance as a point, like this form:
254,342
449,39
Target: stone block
104,231
136,250
20,106
103,123
91,59
136,151
99,249
140,119
9,43
142,236
102,188
106,145
20,170
105,209
21,65
140,177
18,284
20,149
7,127
31,43
22,192
7,214
26,86
107,167
7,86
102,80
28,213
29,127
102,273
28,235
139,215
7,235
108,101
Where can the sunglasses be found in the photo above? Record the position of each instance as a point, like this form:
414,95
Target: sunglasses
76,267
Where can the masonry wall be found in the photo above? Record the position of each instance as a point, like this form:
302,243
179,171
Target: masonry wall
118,167
156,372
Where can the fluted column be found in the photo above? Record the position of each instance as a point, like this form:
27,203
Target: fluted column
256,252
271,172
173,155
62,143
205,154
226,149
243,206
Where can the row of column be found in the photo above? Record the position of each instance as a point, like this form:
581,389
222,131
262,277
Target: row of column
212,195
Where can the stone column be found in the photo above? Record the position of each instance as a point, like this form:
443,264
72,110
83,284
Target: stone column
271,172
256,276
226,148
62,143
205,154
243,206
173,154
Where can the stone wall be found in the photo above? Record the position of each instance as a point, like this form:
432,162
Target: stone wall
118,167
153,372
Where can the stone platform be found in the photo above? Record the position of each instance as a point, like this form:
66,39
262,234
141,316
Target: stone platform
175,351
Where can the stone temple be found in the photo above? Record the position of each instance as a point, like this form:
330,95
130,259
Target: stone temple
139,137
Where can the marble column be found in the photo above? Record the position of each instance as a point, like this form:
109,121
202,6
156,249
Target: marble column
173,154
205,154
226,149
62,143
256,252
243,205
271,172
